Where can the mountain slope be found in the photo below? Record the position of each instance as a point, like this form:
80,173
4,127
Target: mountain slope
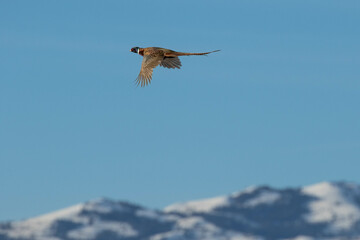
321,211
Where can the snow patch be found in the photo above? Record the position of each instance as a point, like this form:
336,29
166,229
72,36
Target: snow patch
198,228
263,198
40,227
91,231
66,213
206,205
300,238
196,222
103,205
331,206
247,190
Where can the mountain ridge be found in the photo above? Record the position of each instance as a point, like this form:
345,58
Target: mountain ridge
326,210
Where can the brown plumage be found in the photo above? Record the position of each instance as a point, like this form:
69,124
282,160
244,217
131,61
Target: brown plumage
154,56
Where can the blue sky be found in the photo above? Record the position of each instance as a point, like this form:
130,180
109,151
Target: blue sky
279,105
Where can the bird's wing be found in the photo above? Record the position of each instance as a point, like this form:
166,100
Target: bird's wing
171,62
148,64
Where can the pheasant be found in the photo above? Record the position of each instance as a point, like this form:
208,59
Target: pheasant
154,56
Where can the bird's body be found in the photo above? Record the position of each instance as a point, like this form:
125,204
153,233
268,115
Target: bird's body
154,56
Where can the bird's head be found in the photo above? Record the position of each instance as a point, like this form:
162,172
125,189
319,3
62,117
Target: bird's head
135,50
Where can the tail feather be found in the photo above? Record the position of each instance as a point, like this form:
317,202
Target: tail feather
176,54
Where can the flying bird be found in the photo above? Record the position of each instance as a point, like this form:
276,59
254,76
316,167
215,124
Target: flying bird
154,56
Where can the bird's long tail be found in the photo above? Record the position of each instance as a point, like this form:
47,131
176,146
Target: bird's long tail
176,54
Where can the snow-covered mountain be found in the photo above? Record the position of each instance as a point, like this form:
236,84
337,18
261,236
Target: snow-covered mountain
326,210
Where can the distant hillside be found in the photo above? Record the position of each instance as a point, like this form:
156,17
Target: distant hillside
322,211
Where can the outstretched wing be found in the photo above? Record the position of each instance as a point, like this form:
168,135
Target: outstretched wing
148,64
171,62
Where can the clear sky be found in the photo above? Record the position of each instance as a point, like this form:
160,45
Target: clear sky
279,104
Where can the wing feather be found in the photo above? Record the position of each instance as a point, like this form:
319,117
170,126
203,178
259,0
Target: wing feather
171,62
148,64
